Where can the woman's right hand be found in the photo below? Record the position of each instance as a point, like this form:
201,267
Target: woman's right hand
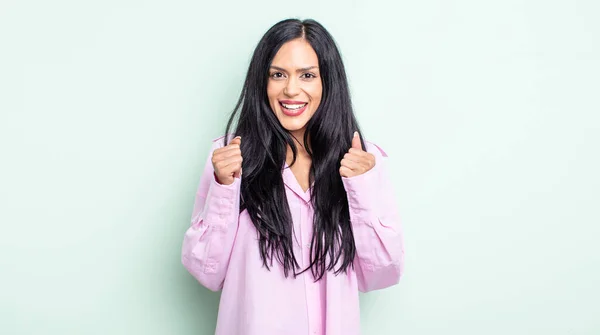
227,162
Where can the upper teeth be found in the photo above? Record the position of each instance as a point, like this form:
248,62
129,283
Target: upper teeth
293,106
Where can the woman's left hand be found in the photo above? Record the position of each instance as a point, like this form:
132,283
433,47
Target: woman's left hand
356,161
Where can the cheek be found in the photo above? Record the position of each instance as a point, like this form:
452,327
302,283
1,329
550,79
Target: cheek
315,93
272,94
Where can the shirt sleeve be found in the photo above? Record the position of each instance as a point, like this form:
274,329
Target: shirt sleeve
376,226
208,242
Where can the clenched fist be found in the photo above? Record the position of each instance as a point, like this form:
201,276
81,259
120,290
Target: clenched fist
227,162
356,161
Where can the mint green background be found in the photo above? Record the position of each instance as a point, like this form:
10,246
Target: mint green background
489,111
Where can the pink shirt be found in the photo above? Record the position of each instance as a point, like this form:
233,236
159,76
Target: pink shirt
220,250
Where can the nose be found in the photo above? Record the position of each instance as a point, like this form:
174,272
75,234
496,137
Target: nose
292,88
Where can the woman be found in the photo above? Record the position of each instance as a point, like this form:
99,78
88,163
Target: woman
295,213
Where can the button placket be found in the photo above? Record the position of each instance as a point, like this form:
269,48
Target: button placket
309,284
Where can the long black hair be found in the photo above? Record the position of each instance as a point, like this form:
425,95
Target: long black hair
264,148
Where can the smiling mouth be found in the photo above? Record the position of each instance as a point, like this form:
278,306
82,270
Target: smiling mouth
293,107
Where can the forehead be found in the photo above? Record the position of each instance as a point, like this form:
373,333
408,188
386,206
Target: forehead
296,54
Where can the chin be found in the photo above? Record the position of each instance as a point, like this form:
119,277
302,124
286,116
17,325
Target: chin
293,128
293,125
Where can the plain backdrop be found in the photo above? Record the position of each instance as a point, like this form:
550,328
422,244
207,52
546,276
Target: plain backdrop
489,111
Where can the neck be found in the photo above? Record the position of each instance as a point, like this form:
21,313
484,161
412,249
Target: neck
298,136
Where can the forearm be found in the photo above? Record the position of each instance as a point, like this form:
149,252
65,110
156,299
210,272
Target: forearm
209,240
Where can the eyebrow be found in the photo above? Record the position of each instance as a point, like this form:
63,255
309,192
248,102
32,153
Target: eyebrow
297,70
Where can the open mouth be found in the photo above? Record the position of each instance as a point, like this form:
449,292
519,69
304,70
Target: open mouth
293,108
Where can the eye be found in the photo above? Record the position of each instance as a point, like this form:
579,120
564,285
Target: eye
276,75
308,76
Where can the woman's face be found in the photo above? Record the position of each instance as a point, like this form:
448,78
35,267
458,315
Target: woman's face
294,88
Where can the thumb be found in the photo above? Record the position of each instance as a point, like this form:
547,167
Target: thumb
356,141
237,140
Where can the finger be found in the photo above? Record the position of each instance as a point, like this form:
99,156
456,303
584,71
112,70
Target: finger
230,172
220,160
236,169
228,147
346,172
234,143
352,165
359,152
230,152
364,158
364,161
231,160
238,172
353,157
366,164
236,140
225,163
356,141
